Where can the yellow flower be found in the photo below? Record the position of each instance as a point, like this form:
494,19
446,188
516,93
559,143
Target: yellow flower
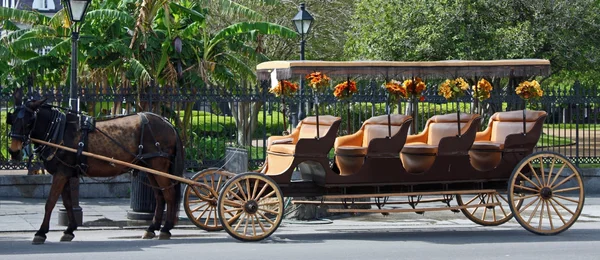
529,89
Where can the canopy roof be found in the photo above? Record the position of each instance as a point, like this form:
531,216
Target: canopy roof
403,69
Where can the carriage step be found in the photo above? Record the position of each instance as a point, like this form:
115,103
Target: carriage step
319,202
381,195
411,210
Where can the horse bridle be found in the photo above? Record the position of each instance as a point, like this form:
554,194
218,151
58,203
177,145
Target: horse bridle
24,137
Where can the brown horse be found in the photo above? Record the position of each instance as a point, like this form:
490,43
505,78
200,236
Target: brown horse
144,139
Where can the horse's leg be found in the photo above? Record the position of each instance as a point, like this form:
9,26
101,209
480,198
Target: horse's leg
68,203
58,184
158,210
167,194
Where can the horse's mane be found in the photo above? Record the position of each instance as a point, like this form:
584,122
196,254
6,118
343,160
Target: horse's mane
98,119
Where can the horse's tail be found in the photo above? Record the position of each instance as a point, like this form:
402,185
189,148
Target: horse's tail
177,169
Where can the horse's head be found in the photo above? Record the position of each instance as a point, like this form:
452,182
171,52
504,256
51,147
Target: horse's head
22,122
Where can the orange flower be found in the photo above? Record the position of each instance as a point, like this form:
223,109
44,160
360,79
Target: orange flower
395,89
287,89
452,89
414,88
317,80
482,90
345,89
529,89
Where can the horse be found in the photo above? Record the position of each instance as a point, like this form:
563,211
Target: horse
145,139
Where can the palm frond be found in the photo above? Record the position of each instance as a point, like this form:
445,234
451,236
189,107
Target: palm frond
31,43
247,27
9,26
194,15
61,49
232,8
139,71
115,15
13,36
239,66
22,16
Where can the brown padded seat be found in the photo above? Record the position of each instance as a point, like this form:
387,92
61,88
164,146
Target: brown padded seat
281,149
486,151
350,150
421,149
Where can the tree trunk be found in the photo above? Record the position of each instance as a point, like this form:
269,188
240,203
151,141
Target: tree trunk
245,115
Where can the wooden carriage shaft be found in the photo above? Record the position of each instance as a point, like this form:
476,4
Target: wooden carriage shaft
130,165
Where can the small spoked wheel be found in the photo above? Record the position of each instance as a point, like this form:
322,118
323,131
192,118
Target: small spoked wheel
487,209
251,206
551,190
200,204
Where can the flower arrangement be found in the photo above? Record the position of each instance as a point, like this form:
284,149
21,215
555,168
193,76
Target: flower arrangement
395,89
345,89
529,89
414,88
317,80
453,89
482,90
284,88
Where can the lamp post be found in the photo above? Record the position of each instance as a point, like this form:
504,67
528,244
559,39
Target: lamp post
302,22
76,10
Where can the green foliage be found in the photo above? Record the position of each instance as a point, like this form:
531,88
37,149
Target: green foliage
563,31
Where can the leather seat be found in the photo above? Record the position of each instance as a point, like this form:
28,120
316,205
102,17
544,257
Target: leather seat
421,149
350,150
281,149
486,152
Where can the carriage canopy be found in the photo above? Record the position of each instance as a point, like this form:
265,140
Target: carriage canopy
426,69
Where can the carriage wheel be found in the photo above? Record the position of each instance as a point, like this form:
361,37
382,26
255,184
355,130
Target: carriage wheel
551,189
487,215
199,204
251,206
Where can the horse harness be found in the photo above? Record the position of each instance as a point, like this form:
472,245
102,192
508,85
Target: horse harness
86,124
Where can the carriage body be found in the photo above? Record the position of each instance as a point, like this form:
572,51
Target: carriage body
451,159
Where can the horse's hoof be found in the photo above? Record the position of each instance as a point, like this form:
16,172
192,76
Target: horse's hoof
164,236
148,235
38,240
67,238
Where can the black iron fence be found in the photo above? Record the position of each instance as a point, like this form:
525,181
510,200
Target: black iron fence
212,119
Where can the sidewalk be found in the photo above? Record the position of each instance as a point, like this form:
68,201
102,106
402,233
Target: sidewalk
25,215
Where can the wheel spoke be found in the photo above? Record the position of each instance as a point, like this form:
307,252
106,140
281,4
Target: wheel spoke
567,199
567,189
529,205
527,197
501,208
237,225
235,218
534,173
215,220
549,215
471,200
557,212
534,211
542,171
541,214
261,191
267,196
241,191
255,189
195,201
202,214
232,203
235,195
558,174
219,181
199,207
265,218
563,206
262,227
529,180
268,203
208,218
527,188
563,181
248,190
253,226
246,225
550,172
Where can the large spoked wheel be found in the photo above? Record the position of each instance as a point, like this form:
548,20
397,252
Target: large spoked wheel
250,206
551,189
482,213
199,204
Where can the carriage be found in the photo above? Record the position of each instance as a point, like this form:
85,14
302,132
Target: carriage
492,174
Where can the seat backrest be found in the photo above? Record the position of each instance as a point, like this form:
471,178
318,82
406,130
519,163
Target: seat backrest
441,126
511,122
308,129
377,127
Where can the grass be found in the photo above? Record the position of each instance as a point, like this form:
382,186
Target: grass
553,141
573,126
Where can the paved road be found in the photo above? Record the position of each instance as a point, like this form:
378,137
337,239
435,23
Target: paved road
435,235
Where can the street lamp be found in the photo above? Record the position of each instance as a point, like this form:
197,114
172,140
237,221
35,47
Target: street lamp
76,10
302,21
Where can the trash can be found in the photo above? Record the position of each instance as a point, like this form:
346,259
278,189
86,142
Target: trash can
142,201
